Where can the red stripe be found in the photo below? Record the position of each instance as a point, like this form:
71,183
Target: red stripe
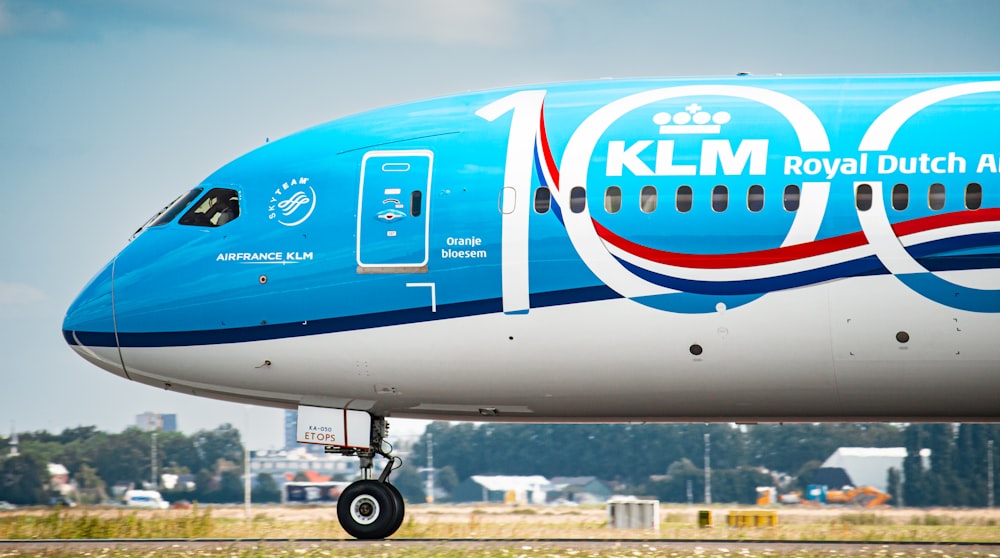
790,253
550,163
738,259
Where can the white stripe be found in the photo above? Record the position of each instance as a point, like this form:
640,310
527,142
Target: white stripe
875,225
518,170
580,149
966,229
767,271
808,218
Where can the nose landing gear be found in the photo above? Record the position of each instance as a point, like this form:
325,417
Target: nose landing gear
371,508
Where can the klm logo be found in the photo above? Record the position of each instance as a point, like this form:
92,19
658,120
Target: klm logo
717,156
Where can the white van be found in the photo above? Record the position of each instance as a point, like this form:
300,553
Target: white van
145,499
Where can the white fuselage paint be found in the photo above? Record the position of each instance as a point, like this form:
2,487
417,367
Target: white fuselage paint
841,360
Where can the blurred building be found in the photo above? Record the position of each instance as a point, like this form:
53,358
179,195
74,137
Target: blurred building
532,489
14,445
291,420
579,490
291,417
285,466
149,422
867,466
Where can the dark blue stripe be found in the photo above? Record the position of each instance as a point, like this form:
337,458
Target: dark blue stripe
91,338
957,243
960,263
863,266
311,327
866,266
572,296
331,325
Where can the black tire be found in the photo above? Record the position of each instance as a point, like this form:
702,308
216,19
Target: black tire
400,508
367,510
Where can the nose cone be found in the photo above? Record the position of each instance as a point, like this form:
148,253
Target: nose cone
89,326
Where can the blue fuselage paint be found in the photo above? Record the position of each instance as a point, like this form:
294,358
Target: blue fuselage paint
686,196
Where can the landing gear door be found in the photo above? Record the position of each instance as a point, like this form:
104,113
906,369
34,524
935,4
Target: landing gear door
393,219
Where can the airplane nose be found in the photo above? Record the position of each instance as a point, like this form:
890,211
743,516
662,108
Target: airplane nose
89,326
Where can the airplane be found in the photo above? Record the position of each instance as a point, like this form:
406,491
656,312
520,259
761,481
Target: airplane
738,248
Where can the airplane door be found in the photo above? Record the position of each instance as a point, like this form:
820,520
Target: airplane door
393,204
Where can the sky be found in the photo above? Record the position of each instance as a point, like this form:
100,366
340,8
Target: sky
109,109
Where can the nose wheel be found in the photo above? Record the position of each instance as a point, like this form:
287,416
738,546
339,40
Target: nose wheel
370,509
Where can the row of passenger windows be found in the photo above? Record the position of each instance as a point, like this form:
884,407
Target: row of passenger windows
935,196
684,198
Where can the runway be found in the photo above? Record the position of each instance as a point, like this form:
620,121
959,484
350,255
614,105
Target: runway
636,548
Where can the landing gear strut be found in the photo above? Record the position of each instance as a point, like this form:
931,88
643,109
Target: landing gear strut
371,508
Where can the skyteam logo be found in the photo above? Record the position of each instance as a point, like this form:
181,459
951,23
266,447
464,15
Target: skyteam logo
292,203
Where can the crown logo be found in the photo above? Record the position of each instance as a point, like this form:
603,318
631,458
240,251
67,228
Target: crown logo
691,120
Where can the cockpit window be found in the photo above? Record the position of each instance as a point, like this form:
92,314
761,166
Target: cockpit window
216,208
168,213
171,211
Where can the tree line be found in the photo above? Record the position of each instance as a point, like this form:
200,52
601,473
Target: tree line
958,474
668,460
662,460
98,460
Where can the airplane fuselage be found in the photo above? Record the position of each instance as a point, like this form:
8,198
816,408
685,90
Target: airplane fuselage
686,249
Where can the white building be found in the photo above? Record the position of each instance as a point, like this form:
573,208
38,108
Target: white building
870,466
532,489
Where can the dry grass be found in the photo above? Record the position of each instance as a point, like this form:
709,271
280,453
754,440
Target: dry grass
496,522
502,521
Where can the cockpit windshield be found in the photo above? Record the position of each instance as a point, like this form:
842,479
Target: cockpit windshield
168,213
173,209
216,208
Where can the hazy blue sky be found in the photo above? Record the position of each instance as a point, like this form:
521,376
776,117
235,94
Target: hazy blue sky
111,108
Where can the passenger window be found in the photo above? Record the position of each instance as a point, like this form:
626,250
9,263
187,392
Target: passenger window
973,196
790,199
647,199
613,199
935,197
863,197
720,198
577,199
684,199
216,208
416,203
755,198
543,198
900,197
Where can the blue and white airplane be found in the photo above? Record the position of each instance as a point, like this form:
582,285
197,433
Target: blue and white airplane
721,249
